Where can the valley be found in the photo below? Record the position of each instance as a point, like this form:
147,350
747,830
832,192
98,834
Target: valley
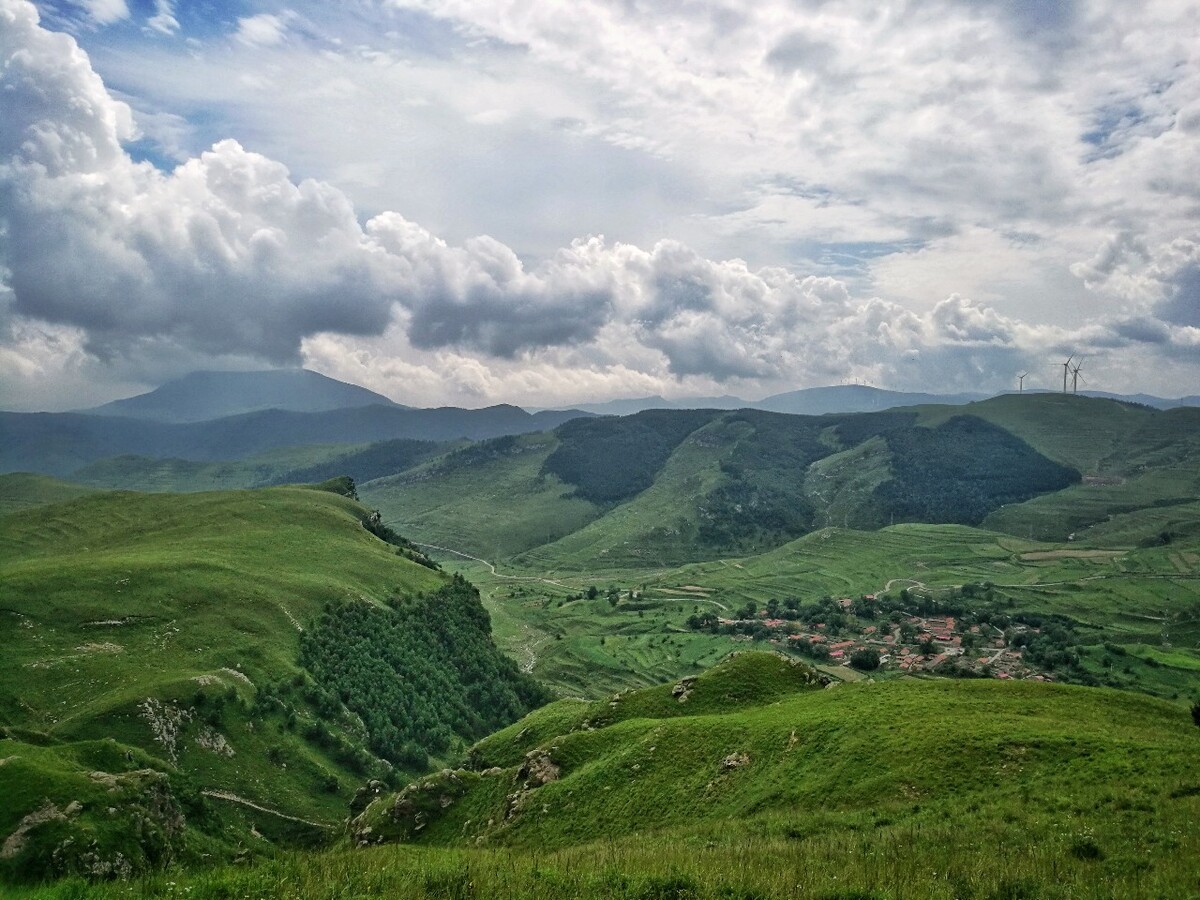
754,631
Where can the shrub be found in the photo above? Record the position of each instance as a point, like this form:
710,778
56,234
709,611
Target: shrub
865,660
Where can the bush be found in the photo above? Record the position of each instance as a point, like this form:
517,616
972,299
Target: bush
1196,714
865,660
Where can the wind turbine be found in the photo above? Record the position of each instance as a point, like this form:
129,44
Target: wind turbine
1066,368
1075,376
1021,382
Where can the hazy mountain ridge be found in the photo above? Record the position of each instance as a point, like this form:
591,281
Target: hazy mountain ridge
201,396
60,443
843,398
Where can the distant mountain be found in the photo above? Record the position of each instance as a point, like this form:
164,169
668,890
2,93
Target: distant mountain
628,406
848,398
843,398
213,395
1146,399
60,443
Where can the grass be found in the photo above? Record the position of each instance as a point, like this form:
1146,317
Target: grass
120,610
497,507
22,490
1137,595
140,473
909,789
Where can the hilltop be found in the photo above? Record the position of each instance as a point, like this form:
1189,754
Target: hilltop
187,675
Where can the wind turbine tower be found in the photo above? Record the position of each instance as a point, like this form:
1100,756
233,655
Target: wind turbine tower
1066,368
1021,382
1075,376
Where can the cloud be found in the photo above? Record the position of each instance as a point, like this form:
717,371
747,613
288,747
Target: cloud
105,12
163,21
262,30
230,258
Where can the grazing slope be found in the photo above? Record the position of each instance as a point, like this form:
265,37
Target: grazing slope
1133,458
153,645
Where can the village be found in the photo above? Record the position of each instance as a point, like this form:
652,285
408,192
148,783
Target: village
860,633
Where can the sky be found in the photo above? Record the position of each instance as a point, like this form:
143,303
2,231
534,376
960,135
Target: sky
471,202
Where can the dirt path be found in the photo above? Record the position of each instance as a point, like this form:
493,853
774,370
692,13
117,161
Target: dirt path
234,798
887,587
689,600
491,566
287,612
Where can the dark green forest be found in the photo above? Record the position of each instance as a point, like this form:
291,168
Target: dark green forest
613,459
962,470
422,672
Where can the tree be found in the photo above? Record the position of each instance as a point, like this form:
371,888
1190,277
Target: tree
865,660
1196,714
928,648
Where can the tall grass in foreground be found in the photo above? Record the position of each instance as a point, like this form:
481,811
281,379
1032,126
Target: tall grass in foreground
988,854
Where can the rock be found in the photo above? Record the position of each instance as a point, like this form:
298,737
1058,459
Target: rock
365,794
735,761
683,689
537,770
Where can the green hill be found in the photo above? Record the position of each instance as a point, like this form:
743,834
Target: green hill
756,739
166,664
21,490
1132,458
664,487
752,782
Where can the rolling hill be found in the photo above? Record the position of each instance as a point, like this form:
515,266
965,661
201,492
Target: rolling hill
752,782
186,675
669,486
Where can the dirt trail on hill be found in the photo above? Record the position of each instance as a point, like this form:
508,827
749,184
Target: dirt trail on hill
234,798
491,566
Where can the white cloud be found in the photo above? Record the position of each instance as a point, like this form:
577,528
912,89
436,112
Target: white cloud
105,12
163,21
262,30
229,258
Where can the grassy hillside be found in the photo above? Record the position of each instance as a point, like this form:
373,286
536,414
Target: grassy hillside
664,487
152,643
1132,458
490,499
752,783
22,490
757,737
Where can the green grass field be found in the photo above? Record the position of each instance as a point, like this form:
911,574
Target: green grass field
761,785
139,628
